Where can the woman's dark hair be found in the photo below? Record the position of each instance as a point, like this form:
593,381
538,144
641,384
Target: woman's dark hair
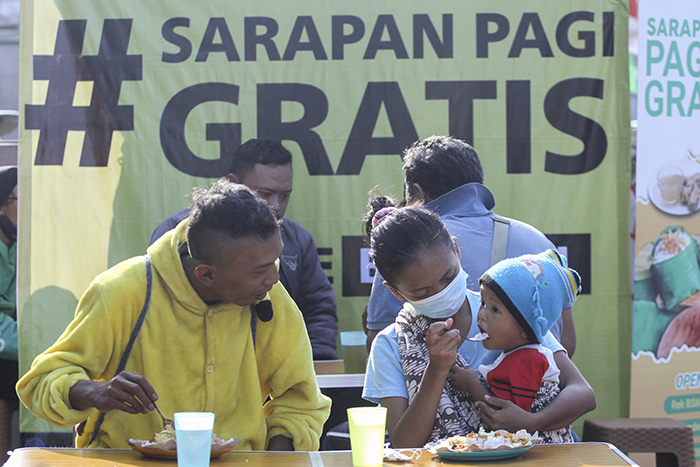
401,237
374,205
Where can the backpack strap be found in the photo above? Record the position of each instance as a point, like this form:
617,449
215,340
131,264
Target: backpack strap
499,243
132,339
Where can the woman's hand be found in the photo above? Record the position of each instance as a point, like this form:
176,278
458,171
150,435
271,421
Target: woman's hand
443,344
500,414
128,392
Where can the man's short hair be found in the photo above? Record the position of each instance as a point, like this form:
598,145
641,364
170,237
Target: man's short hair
226,211
440,164
258,151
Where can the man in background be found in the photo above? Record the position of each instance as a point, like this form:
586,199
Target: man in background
266,168
445,175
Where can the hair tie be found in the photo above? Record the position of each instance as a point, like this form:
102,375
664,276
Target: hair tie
381,213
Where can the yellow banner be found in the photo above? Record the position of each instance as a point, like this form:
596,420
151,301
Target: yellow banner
129,105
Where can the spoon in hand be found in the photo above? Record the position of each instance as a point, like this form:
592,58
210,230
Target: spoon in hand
166,421
482,336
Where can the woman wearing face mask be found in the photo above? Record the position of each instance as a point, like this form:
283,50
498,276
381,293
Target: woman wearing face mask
411,361
8,306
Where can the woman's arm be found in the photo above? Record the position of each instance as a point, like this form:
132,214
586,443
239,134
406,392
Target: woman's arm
575,399
568,332
410,425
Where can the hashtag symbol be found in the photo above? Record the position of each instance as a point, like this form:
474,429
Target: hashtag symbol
63,70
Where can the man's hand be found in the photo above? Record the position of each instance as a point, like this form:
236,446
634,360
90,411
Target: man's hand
280,443
500,414
128,392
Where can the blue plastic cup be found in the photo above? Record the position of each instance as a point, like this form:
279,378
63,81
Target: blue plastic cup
193,432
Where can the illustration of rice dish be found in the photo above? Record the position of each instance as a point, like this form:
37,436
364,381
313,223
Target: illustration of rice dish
675,266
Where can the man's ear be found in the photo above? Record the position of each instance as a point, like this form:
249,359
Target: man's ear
459,252
418,194
205,273
232,178
396,293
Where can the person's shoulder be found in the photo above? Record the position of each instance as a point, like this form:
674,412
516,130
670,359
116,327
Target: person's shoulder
388,332
528,238
296,232
122,282
295,228
123,268
385,344
168,224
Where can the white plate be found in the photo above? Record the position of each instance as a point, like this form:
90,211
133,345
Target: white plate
676,209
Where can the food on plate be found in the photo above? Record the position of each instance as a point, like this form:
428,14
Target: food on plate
166,440
486,441
164,436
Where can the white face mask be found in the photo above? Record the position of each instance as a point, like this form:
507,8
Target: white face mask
446,302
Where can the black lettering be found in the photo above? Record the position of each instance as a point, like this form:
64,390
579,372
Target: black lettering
253,39
484,37
339,36
460,96
172,130
560,116
395,43
304,23
587,37
270,124
518,131
226,45
169,34
540,42
354,250
443,48
360,141
608,34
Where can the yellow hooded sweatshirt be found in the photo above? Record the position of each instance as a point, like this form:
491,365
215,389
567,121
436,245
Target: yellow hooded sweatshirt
197,357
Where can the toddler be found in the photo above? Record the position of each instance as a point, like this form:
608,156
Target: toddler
521,298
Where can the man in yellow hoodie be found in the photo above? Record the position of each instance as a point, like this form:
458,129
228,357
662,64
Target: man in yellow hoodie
220,334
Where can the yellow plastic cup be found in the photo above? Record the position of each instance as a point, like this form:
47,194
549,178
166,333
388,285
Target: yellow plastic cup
367,427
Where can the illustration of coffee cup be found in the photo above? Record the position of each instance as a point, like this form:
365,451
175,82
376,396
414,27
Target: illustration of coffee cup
670,181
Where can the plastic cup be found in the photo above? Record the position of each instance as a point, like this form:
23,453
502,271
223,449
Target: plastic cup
193,432
367,427
354,345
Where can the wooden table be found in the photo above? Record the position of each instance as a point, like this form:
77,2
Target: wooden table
563,455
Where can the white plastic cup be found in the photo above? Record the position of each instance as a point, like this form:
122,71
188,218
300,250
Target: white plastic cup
367,428
193,432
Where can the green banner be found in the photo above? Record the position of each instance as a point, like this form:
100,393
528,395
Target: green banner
129,105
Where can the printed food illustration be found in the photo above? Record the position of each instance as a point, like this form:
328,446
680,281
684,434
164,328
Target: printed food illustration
666,307
690,194
675,187
683,330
